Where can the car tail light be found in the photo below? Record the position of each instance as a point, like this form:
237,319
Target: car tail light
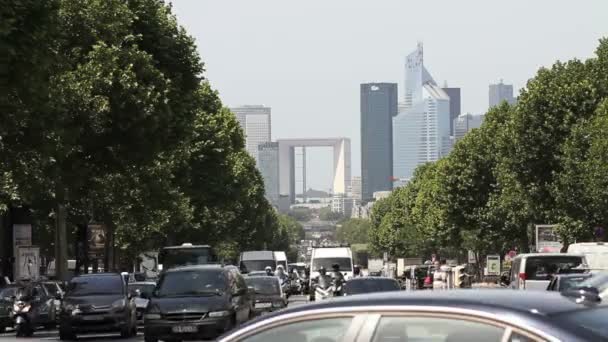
522,276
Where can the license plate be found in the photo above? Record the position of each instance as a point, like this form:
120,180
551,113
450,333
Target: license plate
180,329
92,318
262,305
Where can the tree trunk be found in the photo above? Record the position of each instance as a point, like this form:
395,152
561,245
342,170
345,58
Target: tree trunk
61,245
109,255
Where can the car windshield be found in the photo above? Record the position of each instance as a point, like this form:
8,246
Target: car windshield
544,267
594,319
371,285
264,285
192,283
146,289
256,265
570,282
345,264
94,286
51,288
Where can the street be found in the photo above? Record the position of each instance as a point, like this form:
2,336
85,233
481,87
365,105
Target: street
53,335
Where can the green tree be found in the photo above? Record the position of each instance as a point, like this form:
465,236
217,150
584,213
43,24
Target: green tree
353,231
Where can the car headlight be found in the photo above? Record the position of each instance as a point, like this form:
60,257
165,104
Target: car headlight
119,304
152,316
223,313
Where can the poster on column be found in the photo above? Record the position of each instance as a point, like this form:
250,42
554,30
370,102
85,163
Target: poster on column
96,239
28,262
22,236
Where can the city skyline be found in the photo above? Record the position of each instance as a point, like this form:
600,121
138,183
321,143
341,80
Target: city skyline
312,84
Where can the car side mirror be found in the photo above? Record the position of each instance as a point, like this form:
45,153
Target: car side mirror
585,294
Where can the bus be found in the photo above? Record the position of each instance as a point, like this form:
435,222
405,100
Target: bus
186,254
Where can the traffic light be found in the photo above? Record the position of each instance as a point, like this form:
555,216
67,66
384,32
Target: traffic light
459,277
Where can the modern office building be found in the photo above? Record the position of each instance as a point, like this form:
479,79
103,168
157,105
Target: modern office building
255,120
500,92
465,123
421,131
378,107
355,188
268,164
455,109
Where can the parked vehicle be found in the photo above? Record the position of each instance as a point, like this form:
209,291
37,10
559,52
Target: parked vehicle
281,259
563,282
596,254
197,302
141,291
534,271
459,315
257,261
186,254
364,285
7,299
269,295
98,302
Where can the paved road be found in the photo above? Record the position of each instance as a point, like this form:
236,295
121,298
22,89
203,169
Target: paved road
53,335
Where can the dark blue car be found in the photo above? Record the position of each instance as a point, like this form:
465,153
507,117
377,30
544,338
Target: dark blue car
452,316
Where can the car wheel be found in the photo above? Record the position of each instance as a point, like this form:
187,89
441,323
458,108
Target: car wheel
66,336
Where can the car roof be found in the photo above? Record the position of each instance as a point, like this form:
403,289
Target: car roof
574,275
536,302
142,283
195,268
527,255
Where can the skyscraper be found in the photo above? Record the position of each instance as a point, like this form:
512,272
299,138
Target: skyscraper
255,122
268,164
378,106
421,131
454,95
501,92
465,123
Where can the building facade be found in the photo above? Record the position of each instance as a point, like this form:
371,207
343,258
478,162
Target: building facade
500,92
268,164
378,107
355,188
255,120
342,204
455,107
465,123
421,131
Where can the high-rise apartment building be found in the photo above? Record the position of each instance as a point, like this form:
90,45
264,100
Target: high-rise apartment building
465,123
355,188
378,107
455,109
421,131
500,92
268,164
256,124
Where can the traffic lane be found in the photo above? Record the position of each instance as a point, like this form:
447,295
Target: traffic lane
53,335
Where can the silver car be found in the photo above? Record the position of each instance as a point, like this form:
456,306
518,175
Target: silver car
142,290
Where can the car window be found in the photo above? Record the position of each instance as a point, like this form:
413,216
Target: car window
195,282
371,285
264,285
570,282
318,330
435,329
543,267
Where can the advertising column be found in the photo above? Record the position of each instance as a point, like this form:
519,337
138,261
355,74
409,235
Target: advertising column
22,236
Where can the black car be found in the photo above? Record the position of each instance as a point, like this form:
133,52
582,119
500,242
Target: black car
197,302
98,302
364,285
7,298
563,282
455,316
268,293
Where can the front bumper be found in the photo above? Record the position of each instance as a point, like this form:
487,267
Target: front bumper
94,323
207,328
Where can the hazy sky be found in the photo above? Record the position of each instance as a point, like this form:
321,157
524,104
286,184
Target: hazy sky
306,59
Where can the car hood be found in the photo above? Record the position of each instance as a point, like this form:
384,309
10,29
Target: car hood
190,304
260,298
106,300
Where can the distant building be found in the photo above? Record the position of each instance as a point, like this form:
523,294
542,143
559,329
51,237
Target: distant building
378,107
255,120
268,164
500,92
454,95
465,123
342,204
355,188
421,131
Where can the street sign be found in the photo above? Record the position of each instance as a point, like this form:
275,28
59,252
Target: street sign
493,264
547,239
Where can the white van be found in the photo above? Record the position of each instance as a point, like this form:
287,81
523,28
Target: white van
281,259
257,261
328,256
596,254
533,271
